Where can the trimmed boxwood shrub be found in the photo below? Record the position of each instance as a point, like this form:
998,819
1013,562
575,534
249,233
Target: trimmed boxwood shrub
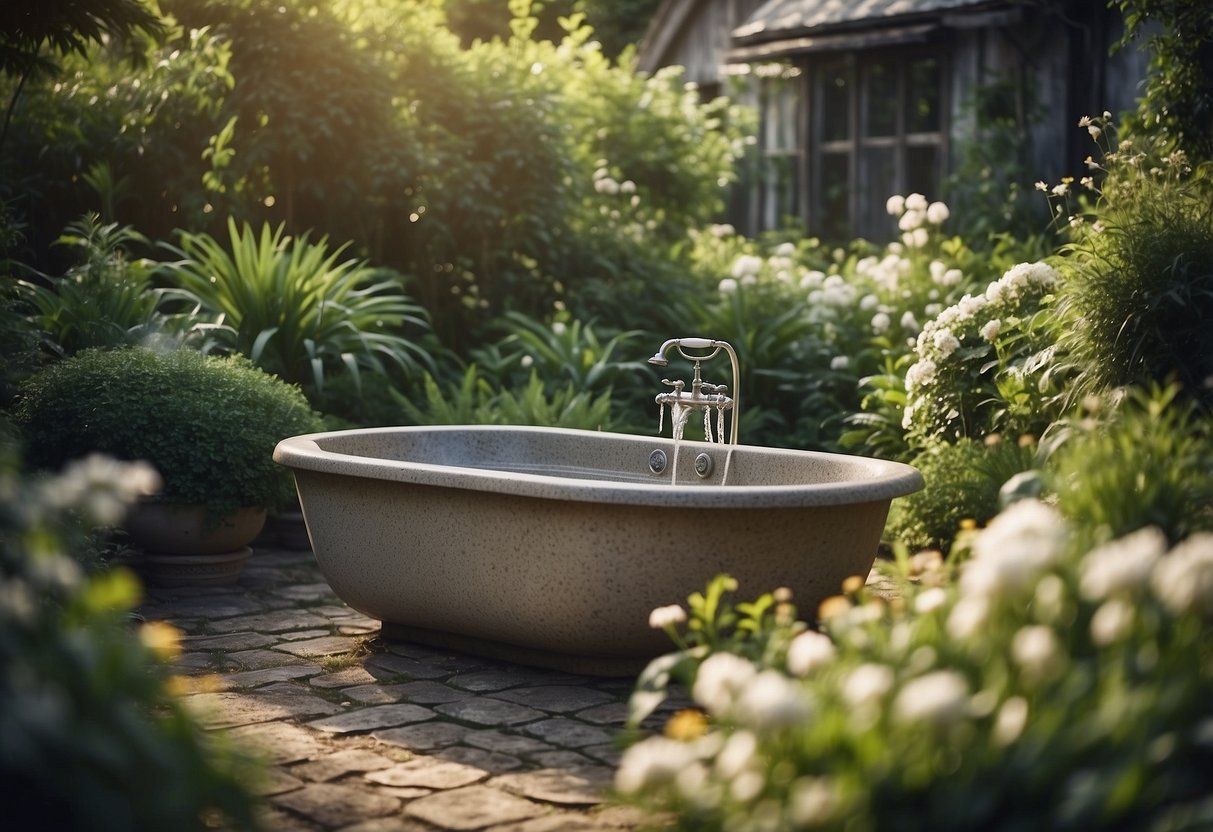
209,425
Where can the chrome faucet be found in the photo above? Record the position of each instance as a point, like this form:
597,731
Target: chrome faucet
703,396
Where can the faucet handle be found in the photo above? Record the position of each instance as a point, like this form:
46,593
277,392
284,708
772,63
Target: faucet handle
715,388
677,384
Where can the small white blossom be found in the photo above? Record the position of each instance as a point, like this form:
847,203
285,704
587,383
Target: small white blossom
1094,131
945,342
735,756
720,678
727,286
652,762
911,220
1016,546
880,323
868,302
813,801
1123,565
808,652
991,329
921,373
931,599
668,616
937,213
895,205
771,702
721,230
840,362
867,684
812,280
916,202
746,264
1010,722
968,618
1112,622
1042,186
1183,580
918,238
1036,650
909,322
786,250
938,698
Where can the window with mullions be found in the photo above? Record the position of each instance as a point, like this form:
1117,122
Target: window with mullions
877,129
781,108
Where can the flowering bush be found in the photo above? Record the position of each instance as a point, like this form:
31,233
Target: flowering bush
1052,685
983,363
93,737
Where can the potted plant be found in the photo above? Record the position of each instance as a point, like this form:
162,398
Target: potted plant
207,424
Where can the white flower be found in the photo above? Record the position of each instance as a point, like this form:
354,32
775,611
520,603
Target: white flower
1017,545
1041,186
917,238
669,616
727,286
652,762
1010,722
895,205
812,280
1183,580
991,329
721,230
526,361
1094,131
921,373
559,328
746,264
772,701
736,754
868,302
931,599
951,278
911,220
937,213
909,322
867,684
968,618
880,323
938,698
808,652
721,677
1123,565
627,186
786,250
1061,189
813,801
916,202
1112,622
840,362
945,342
1036,650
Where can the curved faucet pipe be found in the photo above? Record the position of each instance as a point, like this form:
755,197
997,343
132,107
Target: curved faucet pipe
706,344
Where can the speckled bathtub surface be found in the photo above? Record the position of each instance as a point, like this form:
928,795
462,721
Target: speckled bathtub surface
366,735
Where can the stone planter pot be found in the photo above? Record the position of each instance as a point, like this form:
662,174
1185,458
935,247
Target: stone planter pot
182,545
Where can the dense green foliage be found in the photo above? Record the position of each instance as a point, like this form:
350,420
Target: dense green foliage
208,425
93,736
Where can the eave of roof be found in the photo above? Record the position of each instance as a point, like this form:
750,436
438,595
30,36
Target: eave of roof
792,20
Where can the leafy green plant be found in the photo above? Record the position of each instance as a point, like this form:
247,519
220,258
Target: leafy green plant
475,401
294,307
963,480
106,300
94,738
207,424
1144,462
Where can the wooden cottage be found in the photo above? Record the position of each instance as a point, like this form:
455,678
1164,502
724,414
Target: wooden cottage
861,99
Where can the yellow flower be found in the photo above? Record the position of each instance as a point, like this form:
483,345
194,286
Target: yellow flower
162,638
686,725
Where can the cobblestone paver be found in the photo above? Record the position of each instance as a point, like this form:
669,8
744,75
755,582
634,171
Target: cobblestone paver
362,734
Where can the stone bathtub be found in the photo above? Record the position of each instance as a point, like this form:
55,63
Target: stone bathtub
549,546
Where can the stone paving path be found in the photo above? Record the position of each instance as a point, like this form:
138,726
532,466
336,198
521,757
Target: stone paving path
369,736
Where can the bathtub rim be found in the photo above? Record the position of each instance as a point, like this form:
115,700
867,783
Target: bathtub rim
888,479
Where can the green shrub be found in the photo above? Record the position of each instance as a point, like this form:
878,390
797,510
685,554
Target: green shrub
93,739
962,484
208,425
1138,293
1144,464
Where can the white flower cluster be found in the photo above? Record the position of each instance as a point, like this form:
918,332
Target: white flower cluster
972,317
100,487
914,214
